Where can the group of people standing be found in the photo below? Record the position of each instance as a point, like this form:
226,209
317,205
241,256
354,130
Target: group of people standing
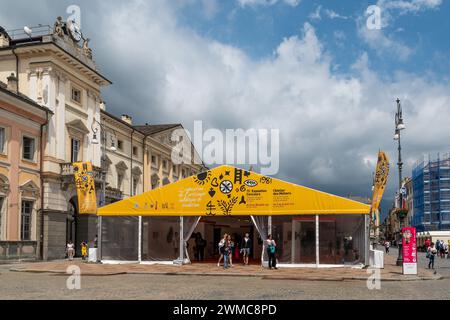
227,248
70,249
440,248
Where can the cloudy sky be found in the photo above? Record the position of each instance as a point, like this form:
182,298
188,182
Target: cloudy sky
309,68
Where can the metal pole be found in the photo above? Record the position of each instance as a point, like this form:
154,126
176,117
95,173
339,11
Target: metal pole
293,241
140,240
182,240
99,218
367,240
400,196
317,241
269,226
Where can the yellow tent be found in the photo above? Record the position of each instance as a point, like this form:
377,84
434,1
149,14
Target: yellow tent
229,191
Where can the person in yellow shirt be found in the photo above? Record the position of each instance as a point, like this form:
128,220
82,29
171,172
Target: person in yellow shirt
84,250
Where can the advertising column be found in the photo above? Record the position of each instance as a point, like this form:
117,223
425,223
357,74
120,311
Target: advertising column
409,251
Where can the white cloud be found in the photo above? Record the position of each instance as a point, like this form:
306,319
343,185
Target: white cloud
413,6
334,15
390,9
244,3
316,14
385,45
330,123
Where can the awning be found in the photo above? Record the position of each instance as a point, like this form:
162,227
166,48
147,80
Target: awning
229,191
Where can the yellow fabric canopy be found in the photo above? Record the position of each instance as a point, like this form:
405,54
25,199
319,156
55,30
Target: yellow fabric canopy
229,191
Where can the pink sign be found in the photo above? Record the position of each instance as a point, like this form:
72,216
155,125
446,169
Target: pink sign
409,247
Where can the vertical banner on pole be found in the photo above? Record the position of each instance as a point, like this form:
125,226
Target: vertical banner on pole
380,181
84,181
409,247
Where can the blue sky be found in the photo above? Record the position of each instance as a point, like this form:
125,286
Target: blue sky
258,29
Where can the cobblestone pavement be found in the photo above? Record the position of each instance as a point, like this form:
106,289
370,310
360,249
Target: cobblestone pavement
390,272
25,285
14,285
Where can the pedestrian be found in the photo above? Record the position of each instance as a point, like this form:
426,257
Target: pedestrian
200,244
226,251
231,244
246,246
221,245
442,249
386,246
84,250
427,244
431,254
271,252
70,250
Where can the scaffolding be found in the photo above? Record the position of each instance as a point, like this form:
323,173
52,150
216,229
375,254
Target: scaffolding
431,185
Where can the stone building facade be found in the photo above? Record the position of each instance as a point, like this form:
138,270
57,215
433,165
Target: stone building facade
57,72
22,124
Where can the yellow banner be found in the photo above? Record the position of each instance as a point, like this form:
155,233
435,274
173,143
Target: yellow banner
229,191
380,181
84,181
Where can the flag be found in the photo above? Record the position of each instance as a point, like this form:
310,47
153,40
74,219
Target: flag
84,181
380,181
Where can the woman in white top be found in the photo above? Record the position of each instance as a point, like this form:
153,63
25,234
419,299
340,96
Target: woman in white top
70,250
221,246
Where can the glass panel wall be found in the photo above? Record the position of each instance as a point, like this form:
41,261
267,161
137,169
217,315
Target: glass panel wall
305,239
295,237
161,238
120,238
341,239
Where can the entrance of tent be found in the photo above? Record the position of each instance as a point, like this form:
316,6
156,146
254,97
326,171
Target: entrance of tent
203,244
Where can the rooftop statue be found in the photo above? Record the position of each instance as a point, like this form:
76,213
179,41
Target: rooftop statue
58,28
86,50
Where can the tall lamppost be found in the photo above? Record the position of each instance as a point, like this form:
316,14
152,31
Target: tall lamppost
104,140
399,126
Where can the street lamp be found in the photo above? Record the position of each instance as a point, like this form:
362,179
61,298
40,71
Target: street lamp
104,140
399,126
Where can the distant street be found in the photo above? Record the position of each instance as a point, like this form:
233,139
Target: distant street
442,266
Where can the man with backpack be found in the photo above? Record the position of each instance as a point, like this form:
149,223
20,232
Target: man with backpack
271,251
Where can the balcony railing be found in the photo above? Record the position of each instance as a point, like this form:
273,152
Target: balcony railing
67,171
37,31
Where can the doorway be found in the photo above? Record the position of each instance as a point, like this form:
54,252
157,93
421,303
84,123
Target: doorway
295,238
212,229
71,224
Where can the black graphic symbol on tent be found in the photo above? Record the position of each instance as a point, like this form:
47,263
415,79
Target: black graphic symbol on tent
221,177
202,178
227,173
243,200
214,182
238,176
226,187
227,207
212,193
243,188
266,180
247,174
251,183
210,209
